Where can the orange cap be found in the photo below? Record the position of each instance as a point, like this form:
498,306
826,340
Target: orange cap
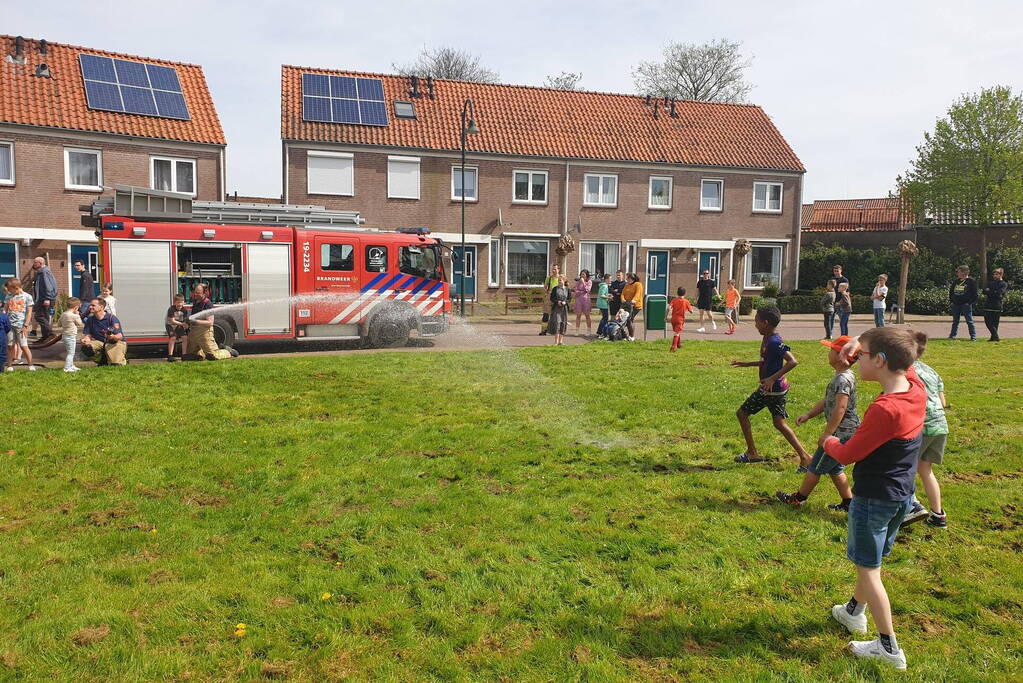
838,344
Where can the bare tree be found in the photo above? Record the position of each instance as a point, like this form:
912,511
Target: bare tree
450,63
566,80
712,72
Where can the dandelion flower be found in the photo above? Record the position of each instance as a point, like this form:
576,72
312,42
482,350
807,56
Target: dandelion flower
153,530
326,596
241,626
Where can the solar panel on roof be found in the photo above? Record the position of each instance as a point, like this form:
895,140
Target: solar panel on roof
343,99
133,87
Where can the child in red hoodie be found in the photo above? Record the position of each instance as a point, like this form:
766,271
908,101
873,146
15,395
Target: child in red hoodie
885,449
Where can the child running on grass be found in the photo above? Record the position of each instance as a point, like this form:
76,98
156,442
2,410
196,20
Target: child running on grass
839,407
932,450
677,312
732,298
776,360
885,449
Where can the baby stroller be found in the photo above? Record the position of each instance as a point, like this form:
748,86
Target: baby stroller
616,329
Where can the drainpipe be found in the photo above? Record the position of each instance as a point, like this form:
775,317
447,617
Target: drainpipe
799,228
563,264
287,161
223,174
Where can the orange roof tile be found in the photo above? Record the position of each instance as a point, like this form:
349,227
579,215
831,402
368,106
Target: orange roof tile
853,215
529,121
60,102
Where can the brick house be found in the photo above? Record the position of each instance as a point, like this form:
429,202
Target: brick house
66,133
655,187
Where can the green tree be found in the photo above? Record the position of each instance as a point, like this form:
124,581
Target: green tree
969,170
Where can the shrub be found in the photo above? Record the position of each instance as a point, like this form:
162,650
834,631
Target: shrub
1012,304
799,304
932,301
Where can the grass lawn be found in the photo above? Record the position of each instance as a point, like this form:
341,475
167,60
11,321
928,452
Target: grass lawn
542,514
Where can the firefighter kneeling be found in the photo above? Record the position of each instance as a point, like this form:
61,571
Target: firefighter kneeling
104,339
201,343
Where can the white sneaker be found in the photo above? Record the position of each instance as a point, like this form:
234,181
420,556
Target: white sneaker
72,369
701,329
872,649
713,325
31,367
854,624
631,338
9,368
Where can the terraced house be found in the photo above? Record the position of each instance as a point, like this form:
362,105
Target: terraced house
74,120
654,186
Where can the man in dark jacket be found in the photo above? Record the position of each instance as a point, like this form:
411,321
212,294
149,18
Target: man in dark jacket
994,294
85,284
963,294
45,297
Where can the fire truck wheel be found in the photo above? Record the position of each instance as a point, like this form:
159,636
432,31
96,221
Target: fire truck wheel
385,333
223,334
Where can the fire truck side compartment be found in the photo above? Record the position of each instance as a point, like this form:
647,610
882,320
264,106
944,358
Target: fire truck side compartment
144,277
268,279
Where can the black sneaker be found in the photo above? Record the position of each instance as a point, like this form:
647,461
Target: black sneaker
936,520
790,499
171,359
839,507
917,513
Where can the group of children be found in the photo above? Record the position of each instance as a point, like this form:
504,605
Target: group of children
16,313
902,432
680,306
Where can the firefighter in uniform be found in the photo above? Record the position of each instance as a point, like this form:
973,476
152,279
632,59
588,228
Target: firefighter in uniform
201,343
104,337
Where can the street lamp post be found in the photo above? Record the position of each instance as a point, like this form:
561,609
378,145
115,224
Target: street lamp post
468,127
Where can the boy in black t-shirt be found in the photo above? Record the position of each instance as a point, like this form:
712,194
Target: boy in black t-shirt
176,324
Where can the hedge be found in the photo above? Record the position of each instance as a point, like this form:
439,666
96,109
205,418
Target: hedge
932,301
811,303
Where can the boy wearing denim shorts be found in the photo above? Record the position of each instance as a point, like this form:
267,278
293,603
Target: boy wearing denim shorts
776,360
885,449
839,407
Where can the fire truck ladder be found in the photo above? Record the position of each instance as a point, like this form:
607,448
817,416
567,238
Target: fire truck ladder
160,205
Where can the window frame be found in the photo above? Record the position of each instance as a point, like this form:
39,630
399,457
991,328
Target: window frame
174,161
650,193
410,103
721,194
68,185
546,186
587,176
329,155
494,269
9,144
547,266
767,200
593,273
631,256
457,170
418,161
749,263
351,245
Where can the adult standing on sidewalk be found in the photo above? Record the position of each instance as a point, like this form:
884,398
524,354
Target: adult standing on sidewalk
963,294
86,286
843,306
583,304
837,275
615,288
994,293
632,301
879,295
706,288
45,297
200,330
549,283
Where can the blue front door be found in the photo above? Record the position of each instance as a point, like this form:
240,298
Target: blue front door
466,261
87,254
8,260
709,260
656,272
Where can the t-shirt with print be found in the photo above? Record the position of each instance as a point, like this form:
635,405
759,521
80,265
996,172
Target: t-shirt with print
883,292
842,383
17,306
772,359
934,419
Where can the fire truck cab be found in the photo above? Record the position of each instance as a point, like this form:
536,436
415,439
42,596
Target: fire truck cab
273,271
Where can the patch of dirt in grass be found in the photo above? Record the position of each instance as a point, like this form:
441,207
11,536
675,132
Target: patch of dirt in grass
161,576
338,667
275,670
433,575
202,500
931,626
282,601
977,477
141,526
90,635
582,654
9,660
105,484
104,517
11,525
652,670
684,467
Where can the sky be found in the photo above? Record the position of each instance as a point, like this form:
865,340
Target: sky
852,86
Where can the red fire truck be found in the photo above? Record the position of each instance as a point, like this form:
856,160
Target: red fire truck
274,271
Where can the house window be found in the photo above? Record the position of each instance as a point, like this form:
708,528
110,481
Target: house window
471,175
173,175
6,163
660,192
767,197
600,258
763,266
83,169
530,187
600,190
711,193
493,277
330,173
526,263
403,177
404,109
630,256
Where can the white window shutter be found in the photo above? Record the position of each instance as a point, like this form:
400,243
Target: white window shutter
330,174
403,177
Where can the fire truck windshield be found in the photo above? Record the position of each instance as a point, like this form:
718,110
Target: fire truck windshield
421,261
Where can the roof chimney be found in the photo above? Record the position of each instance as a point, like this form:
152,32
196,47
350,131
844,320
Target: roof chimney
647,102
414,90
43,71
19,46
674,114
42,47
657,106
429,87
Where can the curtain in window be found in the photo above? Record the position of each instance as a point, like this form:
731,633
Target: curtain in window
162,179
6,165
592,189
185,172
83,168
765,266
539,187
711,195
610,190
470,183
527,262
